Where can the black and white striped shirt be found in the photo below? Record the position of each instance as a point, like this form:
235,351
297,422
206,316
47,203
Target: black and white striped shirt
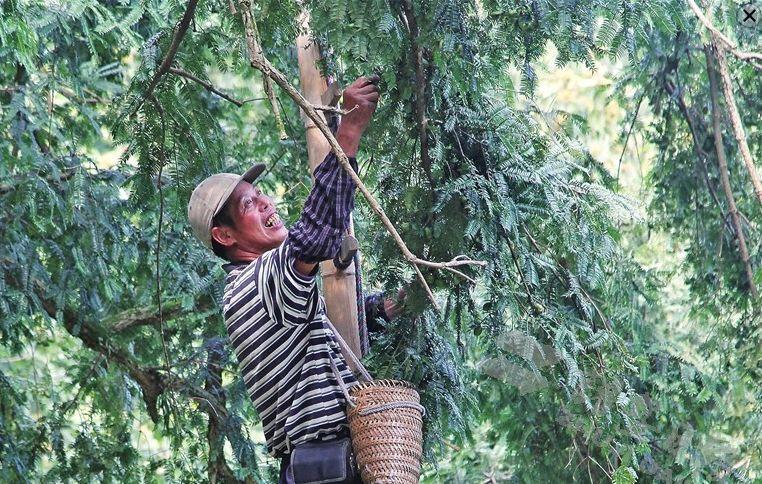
276,321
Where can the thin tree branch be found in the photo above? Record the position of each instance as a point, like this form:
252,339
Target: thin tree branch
701,155
753,58
258,61
627,139
159,228
711,52
524,283
455,262
332,109
255,48
208,86
218,469
735,120
180,31
134,318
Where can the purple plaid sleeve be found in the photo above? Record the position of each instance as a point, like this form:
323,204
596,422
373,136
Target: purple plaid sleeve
317,234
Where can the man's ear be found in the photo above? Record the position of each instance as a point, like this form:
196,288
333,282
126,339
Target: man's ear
223,236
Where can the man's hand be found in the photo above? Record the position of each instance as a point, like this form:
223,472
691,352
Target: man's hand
393,307
360,99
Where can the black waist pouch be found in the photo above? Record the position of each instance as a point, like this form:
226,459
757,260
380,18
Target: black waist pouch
323,462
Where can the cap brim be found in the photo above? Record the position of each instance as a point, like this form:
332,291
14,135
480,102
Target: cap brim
253,173
250,176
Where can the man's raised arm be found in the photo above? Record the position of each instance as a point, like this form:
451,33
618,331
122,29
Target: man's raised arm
317,234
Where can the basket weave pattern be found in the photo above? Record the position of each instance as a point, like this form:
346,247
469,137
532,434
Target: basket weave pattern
386,434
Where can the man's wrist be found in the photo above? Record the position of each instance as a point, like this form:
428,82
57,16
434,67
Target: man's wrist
348,137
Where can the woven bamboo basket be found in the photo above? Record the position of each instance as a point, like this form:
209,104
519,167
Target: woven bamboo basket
385,424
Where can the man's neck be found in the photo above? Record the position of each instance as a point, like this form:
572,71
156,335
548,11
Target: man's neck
238,255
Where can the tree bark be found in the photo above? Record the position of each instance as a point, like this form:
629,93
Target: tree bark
711,52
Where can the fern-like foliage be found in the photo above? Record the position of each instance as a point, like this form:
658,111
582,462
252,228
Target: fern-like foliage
550,355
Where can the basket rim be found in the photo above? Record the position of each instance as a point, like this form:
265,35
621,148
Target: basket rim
386,383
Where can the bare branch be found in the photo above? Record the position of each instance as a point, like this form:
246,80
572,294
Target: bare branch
133,318
698,150
180,31
270,93
258,61
711,52
753,58
735,121
255,50
457,261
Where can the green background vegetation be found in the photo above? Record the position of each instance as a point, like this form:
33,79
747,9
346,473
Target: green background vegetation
612,336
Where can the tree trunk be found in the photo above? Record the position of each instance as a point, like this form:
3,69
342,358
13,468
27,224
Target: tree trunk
339,286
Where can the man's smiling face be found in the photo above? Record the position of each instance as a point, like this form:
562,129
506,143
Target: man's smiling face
257,227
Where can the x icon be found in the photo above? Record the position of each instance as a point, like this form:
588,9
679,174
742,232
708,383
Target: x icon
749,15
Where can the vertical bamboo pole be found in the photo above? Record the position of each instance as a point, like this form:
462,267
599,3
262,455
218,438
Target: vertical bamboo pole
339,286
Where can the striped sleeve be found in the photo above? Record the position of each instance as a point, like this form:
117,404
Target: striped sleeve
317,234
288,297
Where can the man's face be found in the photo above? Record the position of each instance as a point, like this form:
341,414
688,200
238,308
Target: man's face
258,228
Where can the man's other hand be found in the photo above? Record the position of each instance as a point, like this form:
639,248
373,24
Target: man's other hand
360,99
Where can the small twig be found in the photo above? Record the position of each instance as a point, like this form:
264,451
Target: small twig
456,262
208,86
267,83
68,93
629,132
461,274
333,109
600,466
208,403
158,234
259,62
524,283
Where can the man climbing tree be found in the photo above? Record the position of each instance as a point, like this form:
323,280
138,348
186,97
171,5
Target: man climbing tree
273,312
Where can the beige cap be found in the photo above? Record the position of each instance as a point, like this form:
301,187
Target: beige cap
210,196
